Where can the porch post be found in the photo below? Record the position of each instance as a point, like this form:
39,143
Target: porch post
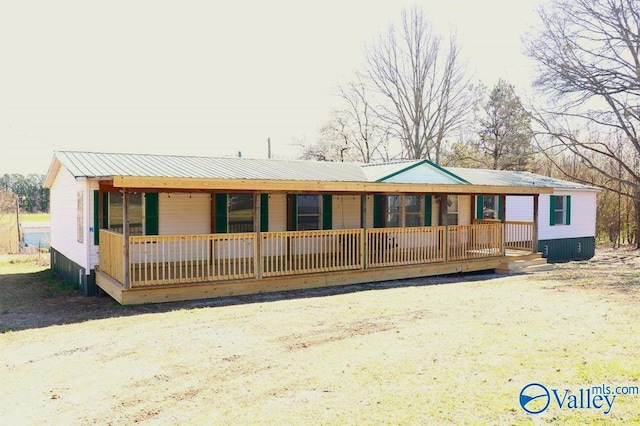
125,238
363,224
257,226
503,219
474,201
443,222
534,230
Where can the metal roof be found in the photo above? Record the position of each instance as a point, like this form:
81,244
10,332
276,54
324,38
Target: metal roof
93,164
97,165
514,178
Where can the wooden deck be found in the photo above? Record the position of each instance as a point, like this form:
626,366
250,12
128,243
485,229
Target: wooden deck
204,290
184,267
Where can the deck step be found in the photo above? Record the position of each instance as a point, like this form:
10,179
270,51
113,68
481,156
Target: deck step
524,264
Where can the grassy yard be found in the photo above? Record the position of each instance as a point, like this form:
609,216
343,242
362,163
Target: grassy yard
432,351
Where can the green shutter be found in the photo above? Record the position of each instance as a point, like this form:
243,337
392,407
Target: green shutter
327,211
568,210
220,213
500,206
293,212
151,213
96,217
264,212
427,210
105,210
552,210
480,207
378,211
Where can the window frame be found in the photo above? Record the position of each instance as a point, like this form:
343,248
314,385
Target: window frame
401,213
318,215
80,217
450,214
231,214
133,230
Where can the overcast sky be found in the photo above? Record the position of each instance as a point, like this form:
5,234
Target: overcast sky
207,78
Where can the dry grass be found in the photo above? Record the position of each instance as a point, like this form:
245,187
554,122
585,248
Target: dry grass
459,352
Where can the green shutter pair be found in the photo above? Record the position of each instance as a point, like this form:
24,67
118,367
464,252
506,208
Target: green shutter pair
151,214
552,210
327,212
221,210
480,207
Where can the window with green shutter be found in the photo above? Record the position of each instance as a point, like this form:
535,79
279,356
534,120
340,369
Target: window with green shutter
559,210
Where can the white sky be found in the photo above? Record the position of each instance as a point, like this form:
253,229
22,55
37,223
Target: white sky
204,77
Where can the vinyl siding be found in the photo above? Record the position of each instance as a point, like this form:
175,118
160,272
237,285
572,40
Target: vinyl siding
520,208
92,249
63,209
464,210
583,217
184,214
277,212
346,211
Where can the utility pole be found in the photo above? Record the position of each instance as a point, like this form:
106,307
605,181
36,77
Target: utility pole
18,220
269,148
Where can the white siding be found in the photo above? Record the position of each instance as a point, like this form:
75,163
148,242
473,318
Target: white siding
519,207
583,217
184,214
277,212
64,217
346,212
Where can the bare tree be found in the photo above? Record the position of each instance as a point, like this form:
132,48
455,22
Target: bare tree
355,128
589,57
422,83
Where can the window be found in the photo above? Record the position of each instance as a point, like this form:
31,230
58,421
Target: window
309,215
80,216
404,211
560,210
240,213
135,213
452,210
488,207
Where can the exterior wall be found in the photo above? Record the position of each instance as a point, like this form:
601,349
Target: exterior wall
564,249
346,212
583,217
277,212
92,249
70,271
464,209
64,218
520,208
184,214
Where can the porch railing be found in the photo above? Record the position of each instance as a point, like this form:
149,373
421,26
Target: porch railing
111,254
171,259
179,259
404,246
304,252
519,235
475,241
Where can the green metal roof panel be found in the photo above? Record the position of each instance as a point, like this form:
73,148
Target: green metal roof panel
514,178
92,164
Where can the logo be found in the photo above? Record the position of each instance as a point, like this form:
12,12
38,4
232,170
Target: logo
534,398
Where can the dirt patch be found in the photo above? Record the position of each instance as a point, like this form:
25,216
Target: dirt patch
405,352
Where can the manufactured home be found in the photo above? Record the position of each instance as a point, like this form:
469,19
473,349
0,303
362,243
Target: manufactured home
154,228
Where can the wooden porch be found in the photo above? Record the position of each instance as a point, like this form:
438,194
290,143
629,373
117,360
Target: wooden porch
183,267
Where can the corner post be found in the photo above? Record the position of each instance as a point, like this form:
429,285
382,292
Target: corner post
125,238
534,230
364,246
503,220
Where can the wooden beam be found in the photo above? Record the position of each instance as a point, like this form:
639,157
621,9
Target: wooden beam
125,238
164,184
535,223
